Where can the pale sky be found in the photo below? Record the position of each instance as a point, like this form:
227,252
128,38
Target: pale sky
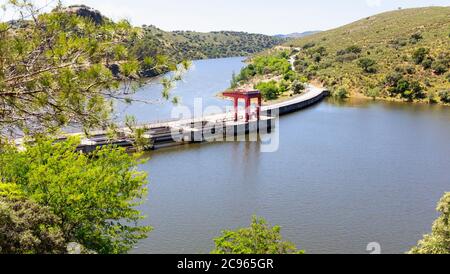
256,16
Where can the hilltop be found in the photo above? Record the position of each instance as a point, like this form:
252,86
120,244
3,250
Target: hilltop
198,45
398,55
297,35
190,45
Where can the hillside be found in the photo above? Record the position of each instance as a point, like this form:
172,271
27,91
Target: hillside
398,55
183,45
297,35
196,45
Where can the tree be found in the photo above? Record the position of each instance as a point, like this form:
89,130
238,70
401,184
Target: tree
259,238
28,228
94,196
438,242
60,68
367,64
298,87
269,90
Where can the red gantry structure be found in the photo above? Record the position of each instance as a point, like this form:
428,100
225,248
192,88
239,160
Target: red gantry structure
248,96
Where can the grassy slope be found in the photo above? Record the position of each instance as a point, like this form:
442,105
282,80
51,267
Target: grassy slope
196,45
375,35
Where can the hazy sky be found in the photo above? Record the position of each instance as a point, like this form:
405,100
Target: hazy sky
259,16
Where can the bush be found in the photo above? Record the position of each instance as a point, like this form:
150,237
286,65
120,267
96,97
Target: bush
367,64
27,228
439,67
309,45
427,63
445,96
415,38
269,90
392,79
448,77
257,239
340,93
373,92
413,90
352,49
419,55
298,87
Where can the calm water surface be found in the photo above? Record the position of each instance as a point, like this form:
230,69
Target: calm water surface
345,175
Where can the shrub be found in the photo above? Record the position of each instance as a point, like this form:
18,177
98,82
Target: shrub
427,63
448,77
27,228
410,70
414,90
367,64
419,55
373,92
340,93
415,38
392,79
439,67
298,87
269,90
445,96
309,45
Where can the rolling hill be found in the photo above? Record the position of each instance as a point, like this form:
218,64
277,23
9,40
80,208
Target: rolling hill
197,45
402,54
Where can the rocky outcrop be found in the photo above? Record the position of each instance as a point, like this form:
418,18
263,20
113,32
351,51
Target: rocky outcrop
87,12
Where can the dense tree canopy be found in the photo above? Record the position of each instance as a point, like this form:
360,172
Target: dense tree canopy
438,242
28,228
259,238
93,196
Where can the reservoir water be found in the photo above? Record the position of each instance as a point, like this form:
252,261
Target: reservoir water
345,175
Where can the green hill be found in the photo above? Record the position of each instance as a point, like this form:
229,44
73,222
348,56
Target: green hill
403,54
196,45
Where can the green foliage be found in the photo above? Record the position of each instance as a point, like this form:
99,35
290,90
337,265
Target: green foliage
353,49
191,45
263,65
438,242
367,64
28,228
373,92
442,64
444,95
415,38
399,86
259,238
386,39
269,90
297,87
340,93
419,55
308,45
94,196
64,68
